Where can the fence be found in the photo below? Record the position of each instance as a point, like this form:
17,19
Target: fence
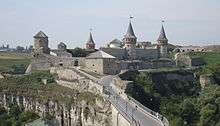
150,112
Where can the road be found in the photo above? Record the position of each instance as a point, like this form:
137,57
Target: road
126,108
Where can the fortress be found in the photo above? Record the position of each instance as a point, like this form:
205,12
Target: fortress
116,57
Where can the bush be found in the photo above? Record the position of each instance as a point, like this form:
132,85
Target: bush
18,69
15,116
28,116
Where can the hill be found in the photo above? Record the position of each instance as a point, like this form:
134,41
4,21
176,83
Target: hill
14,63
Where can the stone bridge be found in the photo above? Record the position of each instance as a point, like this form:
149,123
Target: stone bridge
126,111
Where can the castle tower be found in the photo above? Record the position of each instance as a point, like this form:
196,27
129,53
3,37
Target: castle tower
90,42
162,43
41,43
130,42
62,46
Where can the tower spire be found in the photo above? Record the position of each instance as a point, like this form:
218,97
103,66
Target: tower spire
163,42
130,30
90,40
162,35
90,44
130,41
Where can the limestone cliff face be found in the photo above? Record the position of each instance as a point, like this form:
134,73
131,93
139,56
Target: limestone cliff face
206,79
164,82
76,113
188,77
73,79
174,82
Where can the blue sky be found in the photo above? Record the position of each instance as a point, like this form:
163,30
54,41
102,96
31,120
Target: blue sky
188,22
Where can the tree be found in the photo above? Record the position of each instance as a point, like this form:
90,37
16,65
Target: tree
207,114
20,48
28,115
78,52
15,111
209,105
188,111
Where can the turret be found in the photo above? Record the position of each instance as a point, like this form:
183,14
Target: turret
162,43
61,46
90,42
130,42
41,43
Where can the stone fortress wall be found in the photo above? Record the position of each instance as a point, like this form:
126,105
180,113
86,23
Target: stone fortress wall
182,59
99,66
102,66
147,54
141,54
116,52
43,61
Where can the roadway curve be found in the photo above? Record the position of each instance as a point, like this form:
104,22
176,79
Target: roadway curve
130,111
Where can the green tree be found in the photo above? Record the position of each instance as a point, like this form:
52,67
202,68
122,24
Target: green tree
189,112
15,111
28,116
78,52
207,114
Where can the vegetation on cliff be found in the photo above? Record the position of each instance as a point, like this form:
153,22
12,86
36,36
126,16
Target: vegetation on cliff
180,100
15,116
32,86
212,60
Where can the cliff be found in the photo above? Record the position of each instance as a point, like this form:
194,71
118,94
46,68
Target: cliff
61,106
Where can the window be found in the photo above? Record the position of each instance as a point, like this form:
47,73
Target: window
61,64
76,63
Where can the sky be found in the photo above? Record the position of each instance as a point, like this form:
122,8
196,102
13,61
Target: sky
187,22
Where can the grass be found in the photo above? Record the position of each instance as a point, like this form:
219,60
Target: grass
8,60
212,60
168,69
31,86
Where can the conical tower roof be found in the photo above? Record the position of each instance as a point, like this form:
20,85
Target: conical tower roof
130,31
90,40
40,34
162,35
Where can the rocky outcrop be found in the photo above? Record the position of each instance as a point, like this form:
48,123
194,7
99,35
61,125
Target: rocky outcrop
206,79
71,78
183,59
1,76
76,113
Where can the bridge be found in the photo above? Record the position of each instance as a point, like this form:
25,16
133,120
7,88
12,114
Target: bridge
130,110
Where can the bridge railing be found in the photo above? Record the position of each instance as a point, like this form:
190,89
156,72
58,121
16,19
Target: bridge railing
122,110
150,112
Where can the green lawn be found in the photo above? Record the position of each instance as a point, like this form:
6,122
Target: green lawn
212,60
10,60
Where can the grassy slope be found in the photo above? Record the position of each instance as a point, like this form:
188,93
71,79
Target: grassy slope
212,60
7,60
32,87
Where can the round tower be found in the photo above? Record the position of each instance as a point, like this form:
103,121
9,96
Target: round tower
162,43
130,42
41,43
90,44
61,46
